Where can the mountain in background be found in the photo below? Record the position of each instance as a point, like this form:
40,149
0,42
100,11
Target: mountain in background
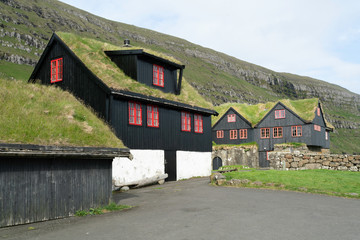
26,26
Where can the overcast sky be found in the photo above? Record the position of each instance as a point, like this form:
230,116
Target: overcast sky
317,38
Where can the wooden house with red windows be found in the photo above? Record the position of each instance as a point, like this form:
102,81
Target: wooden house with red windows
145,99
268,124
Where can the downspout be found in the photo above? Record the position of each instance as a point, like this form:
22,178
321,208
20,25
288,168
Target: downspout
178,90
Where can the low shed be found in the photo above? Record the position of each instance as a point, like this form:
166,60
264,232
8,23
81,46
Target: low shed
40,183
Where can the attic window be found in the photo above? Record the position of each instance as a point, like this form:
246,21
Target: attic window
56,70
198,123
185,122
318,111
231,118
152,116
158,75
317,128
135,114
279,114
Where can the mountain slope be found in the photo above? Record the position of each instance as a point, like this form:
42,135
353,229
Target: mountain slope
25,27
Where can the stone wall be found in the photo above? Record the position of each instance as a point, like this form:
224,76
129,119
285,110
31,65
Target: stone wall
248,156
301,161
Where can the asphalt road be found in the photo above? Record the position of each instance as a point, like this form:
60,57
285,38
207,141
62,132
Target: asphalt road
193,209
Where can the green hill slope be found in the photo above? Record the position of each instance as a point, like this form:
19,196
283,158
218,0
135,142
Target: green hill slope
37,114
25,27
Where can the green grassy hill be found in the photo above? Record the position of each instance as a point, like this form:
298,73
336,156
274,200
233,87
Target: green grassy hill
38,114
26,26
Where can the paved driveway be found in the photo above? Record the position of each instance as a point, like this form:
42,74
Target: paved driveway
192,209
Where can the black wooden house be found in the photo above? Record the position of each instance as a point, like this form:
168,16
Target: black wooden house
280,124
145,105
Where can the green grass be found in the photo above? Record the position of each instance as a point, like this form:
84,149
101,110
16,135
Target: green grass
345,141
238,167
10,70
337,183
226,146
38,114
100,210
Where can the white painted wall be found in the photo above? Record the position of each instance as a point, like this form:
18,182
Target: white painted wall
145,164
193,164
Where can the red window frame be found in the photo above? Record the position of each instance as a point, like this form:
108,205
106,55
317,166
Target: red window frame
135,113
279,114
243,133
318,111
152,116
185,122
56,70
264,132
317,128
296,131
198,123
231,118
233,134
277,132
220,134
158,75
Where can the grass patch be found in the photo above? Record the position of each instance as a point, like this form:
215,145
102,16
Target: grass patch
100,210
227,146
45,115
337,183
238,167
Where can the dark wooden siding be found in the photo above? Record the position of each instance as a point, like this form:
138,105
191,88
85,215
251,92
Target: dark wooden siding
76,79
127,63
48,188
145,75
167,137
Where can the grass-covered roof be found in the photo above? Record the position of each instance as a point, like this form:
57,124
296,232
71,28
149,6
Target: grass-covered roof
91,53
304,108
45,115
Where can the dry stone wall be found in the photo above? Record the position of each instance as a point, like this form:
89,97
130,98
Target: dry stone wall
302,161
248,156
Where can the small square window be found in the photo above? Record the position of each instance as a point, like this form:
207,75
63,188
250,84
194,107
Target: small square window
317,128
231,118
56,70
279,114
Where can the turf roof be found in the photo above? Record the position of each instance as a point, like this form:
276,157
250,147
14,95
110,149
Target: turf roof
91,53
304,108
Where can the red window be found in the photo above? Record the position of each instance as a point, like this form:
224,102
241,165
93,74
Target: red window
326,135
265,133
231,118
152,116
317,128
198,123
279,114
56,70
185,122
243,133
277,132
233,134
135,113
158,76
318,111
296,131
220,134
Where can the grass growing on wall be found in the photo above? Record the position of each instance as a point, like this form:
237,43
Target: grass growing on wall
38,114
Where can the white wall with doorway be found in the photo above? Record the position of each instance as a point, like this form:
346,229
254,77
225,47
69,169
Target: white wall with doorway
145,164
192,164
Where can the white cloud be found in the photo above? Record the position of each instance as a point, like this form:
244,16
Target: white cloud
313,38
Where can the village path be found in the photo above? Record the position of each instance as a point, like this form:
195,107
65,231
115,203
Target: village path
192,209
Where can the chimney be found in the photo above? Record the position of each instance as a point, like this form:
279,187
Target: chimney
127,43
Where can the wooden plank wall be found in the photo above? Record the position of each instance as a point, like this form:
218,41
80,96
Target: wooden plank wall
34,190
